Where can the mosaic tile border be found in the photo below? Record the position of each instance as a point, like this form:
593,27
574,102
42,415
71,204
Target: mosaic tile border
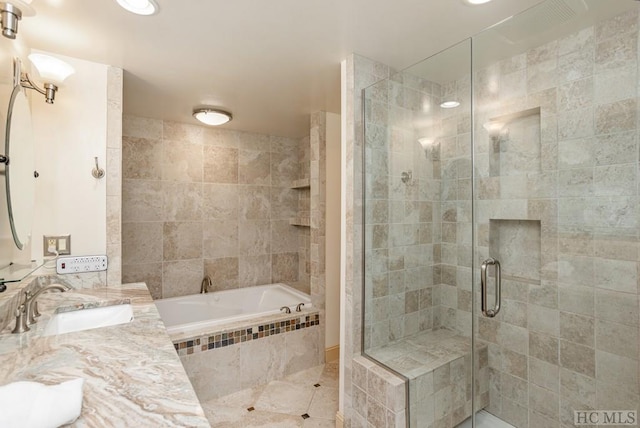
217,340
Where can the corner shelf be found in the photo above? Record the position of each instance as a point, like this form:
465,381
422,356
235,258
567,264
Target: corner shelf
300,221
303,183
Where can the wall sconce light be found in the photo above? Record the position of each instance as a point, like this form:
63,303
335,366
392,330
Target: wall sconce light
11,13
211,116
496,128
430,147
52,70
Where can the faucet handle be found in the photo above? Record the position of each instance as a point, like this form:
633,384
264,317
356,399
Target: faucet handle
21,324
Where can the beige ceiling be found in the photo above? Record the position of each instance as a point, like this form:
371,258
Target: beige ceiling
270,62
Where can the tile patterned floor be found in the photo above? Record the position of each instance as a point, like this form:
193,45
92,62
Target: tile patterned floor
308,399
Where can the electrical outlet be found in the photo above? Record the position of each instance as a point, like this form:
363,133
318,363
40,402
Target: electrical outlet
56,245
81,264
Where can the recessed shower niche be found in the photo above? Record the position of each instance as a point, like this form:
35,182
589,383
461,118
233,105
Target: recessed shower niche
515,143
516,244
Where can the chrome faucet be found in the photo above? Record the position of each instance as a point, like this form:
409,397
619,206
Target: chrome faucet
206,284
26,312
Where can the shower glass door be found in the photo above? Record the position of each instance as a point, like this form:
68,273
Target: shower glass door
555,165
418,251
501,223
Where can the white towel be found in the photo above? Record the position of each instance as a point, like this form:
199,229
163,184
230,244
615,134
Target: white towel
34,405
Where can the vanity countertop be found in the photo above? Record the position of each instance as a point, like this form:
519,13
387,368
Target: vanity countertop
133,375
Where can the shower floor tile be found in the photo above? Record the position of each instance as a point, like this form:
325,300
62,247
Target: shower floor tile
281,403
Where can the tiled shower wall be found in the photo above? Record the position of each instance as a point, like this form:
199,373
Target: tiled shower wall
403,230
567,336
200,201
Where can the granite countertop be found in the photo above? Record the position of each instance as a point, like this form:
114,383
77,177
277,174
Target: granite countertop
133,376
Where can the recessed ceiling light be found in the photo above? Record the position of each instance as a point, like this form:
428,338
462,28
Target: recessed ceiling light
211,116
450,104
476,2
139,7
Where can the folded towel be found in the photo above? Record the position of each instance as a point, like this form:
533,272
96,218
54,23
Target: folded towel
34,405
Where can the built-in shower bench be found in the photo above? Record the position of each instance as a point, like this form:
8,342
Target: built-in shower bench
438,365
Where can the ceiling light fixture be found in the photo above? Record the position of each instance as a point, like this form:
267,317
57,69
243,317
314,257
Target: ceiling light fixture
212,116
139,7
476,2
52,70
449,104
11,13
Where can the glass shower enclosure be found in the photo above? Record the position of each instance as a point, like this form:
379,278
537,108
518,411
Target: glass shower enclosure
502,224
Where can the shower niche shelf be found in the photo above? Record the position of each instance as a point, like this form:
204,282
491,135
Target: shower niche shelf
301,184
300,221
516,243
302,217
515,143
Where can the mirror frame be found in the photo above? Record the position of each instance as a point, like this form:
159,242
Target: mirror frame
18,240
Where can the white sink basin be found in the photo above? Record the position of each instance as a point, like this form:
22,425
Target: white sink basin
85,319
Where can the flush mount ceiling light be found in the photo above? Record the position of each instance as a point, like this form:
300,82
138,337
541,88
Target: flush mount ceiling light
52,70
212,116
139,7
12,12
450,104
476,2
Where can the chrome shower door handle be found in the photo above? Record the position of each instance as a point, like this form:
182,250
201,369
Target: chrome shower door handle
483,285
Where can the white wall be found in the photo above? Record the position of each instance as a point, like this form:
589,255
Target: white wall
332,259
69,134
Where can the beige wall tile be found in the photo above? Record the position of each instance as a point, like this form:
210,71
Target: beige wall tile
220,164
141,158
219,201
223,272
284,267
141,243
617,339
183,132
220,239
141,127
254,270
261,361
577,328
213,380
254,238
578,358
254,167
182,161
254,202
182,201
181,278
141,200
182,241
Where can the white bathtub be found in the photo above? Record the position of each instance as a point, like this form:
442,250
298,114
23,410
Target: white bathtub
199,311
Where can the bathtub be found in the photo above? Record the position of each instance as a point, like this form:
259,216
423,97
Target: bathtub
187,314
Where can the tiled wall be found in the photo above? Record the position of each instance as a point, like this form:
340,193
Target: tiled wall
402,236
200,201
359,72
567,337
114,175
228,361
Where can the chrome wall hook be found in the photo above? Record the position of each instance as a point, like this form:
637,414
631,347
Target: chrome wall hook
97,172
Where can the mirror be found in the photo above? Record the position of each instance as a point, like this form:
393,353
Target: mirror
20,180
